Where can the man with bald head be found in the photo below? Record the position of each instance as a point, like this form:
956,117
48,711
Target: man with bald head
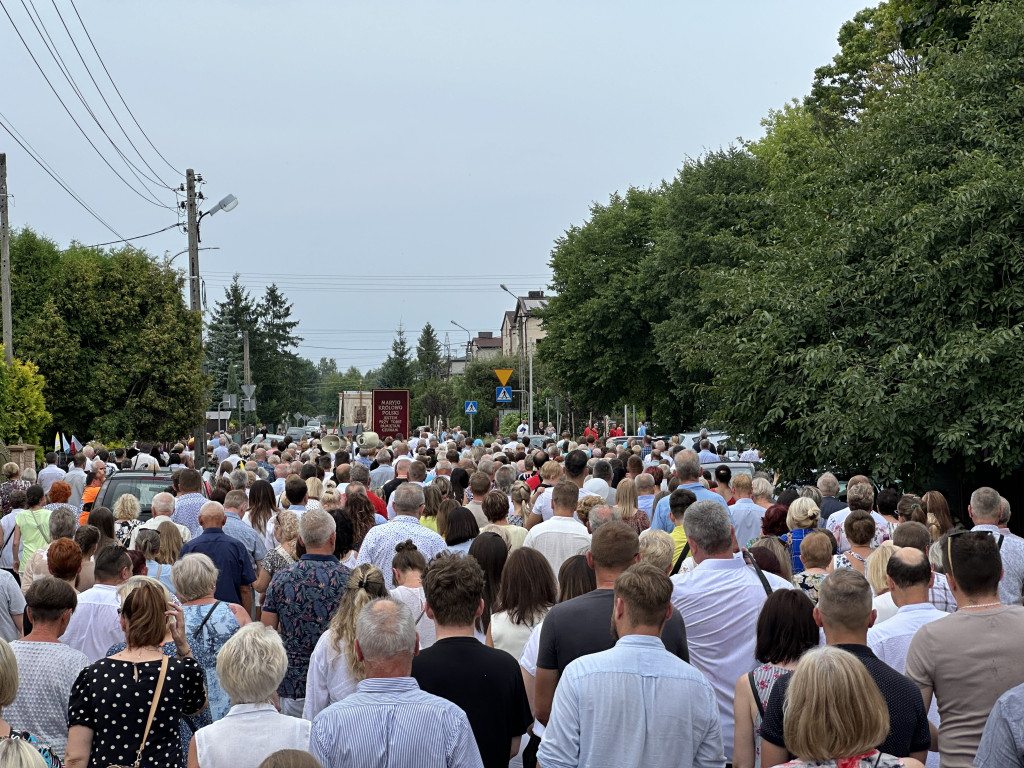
162,508
235,575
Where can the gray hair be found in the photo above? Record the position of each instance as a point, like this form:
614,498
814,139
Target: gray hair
162,504
251,664
862,496
407,498
194,576
657,548
383,456
505,478
687,465
386,628
1004,511
63,523
316,527
358,473
239,479
828,485
935,556
813,493
487,466
604,514
761,488
707,523
985,504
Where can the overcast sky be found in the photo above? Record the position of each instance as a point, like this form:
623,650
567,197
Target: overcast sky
394,161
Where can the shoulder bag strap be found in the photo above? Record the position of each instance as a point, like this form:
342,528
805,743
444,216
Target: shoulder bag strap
1001,540
199,629
44,534
757,696
682,557
152,709
760,574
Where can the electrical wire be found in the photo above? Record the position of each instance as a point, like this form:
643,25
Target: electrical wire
88,71
65,70
137,237
118,90
77,125
31,152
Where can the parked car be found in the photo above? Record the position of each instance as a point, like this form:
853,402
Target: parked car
142,484
264,440
737,467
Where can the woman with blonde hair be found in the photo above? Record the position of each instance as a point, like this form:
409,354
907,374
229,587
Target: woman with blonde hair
250,667
126,517
147,544
286,531
314,489
627,502
801,518
874,570
521,507
19,753
834,714
334,668
170,544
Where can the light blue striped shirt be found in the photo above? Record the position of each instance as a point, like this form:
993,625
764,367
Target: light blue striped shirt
390,723
635,704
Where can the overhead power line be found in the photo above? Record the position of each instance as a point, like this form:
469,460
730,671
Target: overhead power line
137,237
32,153
81,130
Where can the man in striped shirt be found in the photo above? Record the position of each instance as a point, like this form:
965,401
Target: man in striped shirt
389,720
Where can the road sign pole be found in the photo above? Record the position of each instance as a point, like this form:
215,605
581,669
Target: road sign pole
471,425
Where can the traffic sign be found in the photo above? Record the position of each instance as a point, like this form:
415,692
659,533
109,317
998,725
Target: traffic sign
503,394
471,406
249,389
503,375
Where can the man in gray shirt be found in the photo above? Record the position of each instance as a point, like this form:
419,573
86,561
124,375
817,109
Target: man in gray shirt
76,479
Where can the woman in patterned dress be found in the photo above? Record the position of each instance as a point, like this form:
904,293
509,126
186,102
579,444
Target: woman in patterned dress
785,630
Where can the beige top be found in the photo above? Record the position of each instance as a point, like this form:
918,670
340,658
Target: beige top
968,659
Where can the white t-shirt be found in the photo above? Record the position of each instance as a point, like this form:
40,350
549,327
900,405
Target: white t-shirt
558,539
417,601
543,505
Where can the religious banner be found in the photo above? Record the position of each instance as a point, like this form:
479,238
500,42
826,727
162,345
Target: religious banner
391,412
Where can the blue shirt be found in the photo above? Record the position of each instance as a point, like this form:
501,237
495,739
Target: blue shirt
663,514
390,723
379,543
642,431
645,693
252,541
1002,743
186,511
304,596
231,559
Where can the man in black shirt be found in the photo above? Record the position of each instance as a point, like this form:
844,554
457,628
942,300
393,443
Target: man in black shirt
844,612
583,625
401,476
485,682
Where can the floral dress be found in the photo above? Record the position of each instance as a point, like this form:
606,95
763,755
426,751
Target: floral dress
810,583
764,680
7,489
221,625
50,757
872,759
640,521
123,530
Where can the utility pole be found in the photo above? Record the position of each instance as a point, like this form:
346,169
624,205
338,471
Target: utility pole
194,296
246,379
5,264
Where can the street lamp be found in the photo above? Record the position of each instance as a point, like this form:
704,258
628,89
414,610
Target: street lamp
469,337
167,262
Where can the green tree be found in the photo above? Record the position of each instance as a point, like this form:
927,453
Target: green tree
881,330
118,351
397,370
230,318
23,414
428,354
597,322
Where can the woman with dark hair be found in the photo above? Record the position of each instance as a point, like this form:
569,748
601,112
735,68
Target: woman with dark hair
723,483
490,550
88,538
860,529
460,482
108,729
432,499
262,506
575,578
785,629
527,591
343,549
446,508
774,521
462,528
103,519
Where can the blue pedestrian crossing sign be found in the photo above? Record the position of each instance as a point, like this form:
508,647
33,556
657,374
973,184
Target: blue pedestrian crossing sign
471,406
504,394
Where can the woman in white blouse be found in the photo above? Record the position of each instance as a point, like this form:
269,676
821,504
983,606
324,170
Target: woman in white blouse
527,592
334,670
250,666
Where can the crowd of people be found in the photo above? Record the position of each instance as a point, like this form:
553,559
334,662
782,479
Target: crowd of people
439,601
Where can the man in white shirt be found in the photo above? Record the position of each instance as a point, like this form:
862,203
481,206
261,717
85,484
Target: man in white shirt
221,451
163,508
51,473
95,625
575,472
561,537
523,429
720,601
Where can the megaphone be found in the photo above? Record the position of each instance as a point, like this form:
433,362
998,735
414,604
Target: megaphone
330,443
367,440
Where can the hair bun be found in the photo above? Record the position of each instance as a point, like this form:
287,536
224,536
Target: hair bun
406,546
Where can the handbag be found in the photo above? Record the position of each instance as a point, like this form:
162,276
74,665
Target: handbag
152,714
